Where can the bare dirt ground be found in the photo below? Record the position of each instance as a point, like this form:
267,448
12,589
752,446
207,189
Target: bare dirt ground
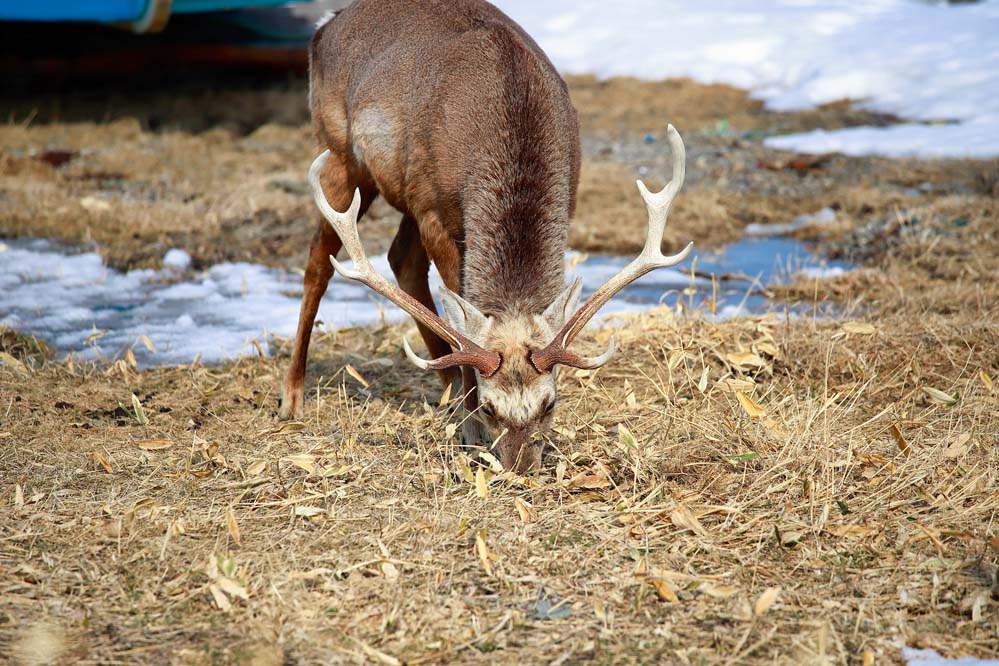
749,492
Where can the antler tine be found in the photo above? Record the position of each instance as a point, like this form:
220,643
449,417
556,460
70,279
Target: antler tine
650,259
345,225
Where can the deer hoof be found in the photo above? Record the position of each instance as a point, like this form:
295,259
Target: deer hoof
292,405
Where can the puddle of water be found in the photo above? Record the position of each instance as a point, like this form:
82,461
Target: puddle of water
78,305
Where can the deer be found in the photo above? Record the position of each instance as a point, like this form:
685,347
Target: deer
455,116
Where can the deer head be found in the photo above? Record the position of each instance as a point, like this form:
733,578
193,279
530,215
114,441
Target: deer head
515,358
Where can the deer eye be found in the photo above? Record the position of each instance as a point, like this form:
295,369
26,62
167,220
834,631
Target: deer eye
549,408
488,410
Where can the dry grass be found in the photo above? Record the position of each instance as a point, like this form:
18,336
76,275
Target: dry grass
846,487
748,492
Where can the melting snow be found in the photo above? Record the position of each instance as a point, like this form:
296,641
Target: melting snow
931,658
79,305
921,61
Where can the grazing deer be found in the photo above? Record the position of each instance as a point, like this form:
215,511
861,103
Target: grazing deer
450,111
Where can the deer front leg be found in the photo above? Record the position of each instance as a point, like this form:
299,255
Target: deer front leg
411,266
317,279
325,243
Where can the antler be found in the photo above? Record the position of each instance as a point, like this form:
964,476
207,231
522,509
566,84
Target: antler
467,352
651,258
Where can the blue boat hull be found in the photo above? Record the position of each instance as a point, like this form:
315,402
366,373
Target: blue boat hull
135,12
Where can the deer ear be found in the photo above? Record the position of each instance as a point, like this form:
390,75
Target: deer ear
565,305
464,316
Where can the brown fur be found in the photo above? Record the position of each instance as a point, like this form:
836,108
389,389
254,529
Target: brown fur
451,112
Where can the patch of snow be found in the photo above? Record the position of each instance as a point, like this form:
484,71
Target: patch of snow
822,272
823,217
920,61
79,305
178,259
915,657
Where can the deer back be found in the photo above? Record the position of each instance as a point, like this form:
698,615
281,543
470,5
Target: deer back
452,112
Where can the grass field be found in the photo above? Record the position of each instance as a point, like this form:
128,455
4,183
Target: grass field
757,491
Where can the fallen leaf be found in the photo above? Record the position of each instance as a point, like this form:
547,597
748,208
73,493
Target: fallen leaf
155,444
526,510
859,328
256,468
221,600
308,511
702,384
753,410
766,600
481,484
356,375
746,360
98,458
491,460
685,520
232,588
230,519
303,461
664,590
940,396
903,445
483,552
958,446
720,591
732,385
390,571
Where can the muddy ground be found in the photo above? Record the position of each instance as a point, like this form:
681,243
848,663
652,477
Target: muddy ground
749,492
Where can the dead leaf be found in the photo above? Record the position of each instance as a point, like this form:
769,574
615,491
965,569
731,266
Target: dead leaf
350,370
941,397
753,410
903,445
702,384
221,600
766,600
491,460
859,328
720,591
481,484
148,343
232,588
230,519
732,385
445,396
987,381
483,552
390,571
98,458
590,481
256,468
664,590
957,446
155,444
303,461
685,520
526,510
745,360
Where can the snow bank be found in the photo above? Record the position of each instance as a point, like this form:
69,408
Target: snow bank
78,305
919,60
915,657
